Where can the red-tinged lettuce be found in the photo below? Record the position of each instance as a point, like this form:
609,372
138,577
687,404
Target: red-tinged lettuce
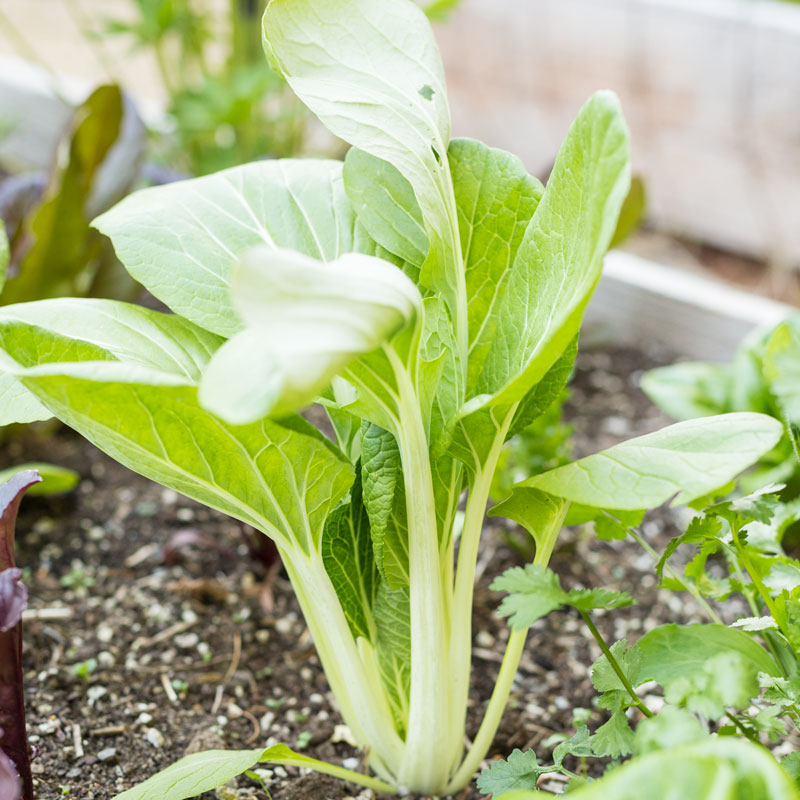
15,768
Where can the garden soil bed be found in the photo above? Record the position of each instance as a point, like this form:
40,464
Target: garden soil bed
133,659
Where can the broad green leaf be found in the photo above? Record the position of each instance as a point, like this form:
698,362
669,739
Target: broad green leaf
55,479
632,213
194,774
728,680
495,200
131,391
670,652
689,390
385,501
558,262
542,396
724,768
207,770
350,563
305,321
17,404
183,240
542,515
553,273
681,462
519,771
64,248
378,83
385,204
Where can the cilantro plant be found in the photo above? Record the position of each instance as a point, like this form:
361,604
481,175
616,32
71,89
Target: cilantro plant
427,294
739,680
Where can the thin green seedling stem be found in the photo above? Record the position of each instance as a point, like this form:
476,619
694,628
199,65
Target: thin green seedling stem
693,590
494,712
342,774
637,701
461,629
744,558
505,678
738,725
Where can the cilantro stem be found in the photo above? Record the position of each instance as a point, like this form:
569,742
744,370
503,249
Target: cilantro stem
693,590
615,665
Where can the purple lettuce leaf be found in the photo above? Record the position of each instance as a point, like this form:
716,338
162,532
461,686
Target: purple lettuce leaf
15,767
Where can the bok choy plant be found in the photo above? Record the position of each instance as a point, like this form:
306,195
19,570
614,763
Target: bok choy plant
427,293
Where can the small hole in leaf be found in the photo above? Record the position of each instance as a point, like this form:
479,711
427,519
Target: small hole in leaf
427,92
436,154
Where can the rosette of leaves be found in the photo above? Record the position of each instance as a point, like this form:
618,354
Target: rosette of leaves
427,294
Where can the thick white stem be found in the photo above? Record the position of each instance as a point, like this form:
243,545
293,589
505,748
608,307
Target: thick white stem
362,704
425,768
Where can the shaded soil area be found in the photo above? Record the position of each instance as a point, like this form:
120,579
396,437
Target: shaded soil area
138,652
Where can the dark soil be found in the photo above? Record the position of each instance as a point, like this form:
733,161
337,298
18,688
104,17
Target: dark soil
132,662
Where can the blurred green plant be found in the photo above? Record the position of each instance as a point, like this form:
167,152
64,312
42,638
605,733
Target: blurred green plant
226,105
702,388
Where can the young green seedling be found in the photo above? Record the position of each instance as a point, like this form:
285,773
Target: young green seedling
428,294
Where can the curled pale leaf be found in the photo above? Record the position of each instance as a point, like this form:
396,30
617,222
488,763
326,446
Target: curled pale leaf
304,321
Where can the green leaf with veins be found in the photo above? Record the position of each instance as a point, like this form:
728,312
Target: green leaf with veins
727,680
385,501
132,391
558,261
546,392
183,240
495,200
692,458
17,404
613,738
398,113
209,769
542,515
671,652
385,205
534,591
605,679
392,618
349,561
519,771
555,268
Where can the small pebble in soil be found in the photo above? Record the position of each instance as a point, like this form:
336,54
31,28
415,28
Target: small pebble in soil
155,737
108,754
